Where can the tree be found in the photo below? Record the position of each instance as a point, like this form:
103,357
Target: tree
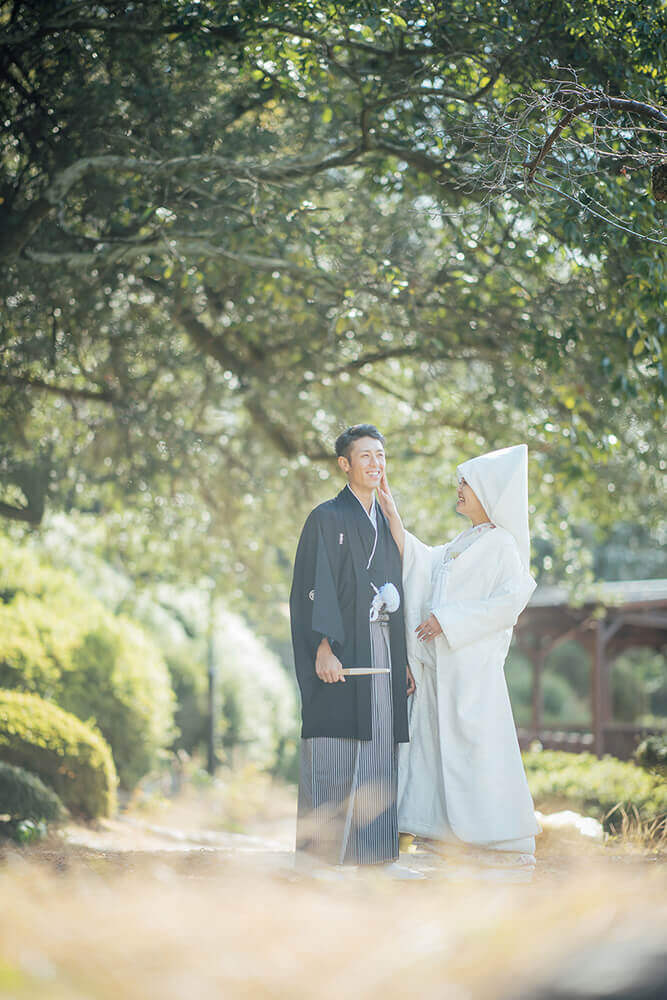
229,229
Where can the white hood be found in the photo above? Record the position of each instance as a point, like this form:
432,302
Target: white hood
500,480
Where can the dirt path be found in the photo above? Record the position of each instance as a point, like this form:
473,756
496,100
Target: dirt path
179,837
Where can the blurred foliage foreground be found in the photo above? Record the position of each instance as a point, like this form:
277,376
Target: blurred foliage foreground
155,933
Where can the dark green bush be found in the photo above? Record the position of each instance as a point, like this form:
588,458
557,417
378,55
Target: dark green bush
24,796
652,754
24,831
60,643
595,786
65,753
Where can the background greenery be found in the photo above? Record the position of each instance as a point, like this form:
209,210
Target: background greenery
229,230
59,642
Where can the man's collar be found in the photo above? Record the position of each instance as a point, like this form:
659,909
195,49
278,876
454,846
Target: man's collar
372,515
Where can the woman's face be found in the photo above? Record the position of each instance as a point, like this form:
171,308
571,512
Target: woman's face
468,504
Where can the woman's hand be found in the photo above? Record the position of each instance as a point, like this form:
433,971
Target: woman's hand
412,687
390,511
385,499
428,629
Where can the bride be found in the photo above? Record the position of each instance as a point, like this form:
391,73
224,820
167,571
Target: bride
461,778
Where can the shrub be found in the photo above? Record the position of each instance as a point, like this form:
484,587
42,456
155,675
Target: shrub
25,796
595,786
67,755
652,754
58,642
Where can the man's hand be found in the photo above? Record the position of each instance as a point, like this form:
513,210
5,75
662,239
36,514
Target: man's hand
428,629
412,687
327,665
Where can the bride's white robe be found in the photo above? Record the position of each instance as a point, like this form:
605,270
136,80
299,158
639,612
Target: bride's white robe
461,777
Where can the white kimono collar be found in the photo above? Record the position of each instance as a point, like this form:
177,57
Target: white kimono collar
372,517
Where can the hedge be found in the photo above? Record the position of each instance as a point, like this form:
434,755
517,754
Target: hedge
65,753
60,643
652,754
595,786
25,796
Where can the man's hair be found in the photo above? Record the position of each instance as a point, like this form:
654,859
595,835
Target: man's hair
345,440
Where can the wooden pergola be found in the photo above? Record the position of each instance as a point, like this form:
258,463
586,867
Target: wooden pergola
610,618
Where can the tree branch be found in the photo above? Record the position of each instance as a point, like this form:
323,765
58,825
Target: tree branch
116,252
29,515
68,392
33,483
230,33
243,170
16,231
621,103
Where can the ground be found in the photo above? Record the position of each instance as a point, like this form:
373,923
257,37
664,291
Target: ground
196,897
246,815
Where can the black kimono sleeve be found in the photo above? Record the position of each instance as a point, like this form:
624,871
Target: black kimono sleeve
314,605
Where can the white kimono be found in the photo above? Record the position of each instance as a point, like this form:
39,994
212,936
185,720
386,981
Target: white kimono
461,777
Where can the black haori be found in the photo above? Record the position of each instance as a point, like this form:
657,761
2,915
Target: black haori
332,591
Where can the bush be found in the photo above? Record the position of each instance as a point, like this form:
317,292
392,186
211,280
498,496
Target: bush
66,754
27,803
25,796
652,754
58,642
595,786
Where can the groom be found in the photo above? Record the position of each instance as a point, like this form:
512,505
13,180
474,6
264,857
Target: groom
341,619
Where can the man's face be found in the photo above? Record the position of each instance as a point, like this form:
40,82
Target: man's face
365,465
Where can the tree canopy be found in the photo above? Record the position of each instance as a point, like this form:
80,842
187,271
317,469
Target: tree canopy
229,230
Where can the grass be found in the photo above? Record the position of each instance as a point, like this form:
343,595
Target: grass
222,929
604,788
77,922
634,833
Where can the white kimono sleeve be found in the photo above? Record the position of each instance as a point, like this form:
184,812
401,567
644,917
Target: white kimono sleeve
418,561
467,621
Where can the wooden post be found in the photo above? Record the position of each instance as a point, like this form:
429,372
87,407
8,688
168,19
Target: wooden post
607,631
598,688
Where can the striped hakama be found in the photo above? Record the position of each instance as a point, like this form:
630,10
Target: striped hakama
347,787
